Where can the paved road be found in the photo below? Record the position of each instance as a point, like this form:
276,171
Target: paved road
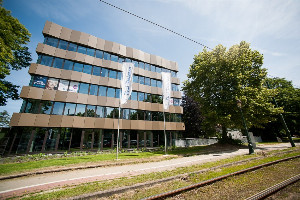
21,185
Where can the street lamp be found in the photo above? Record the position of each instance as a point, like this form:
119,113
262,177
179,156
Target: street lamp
239,105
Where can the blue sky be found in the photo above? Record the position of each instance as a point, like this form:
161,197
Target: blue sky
271,26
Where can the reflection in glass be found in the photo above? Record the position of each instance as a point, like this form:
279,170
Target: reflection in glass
84,88
96,71
102,91
70,109
57,63
87,69
125,113
109,112
111,92
90,111
52,84
134,96
81,49
141,96
63,44
72,47
101,112
90,52
80,110
46,107
68,65
58,108
73,86
46,60
133,114
78,67
104,72
63,85
99,54
94,90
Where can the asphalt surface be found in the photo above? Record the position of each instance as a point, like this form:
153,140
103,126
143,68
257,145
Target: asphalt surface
18,186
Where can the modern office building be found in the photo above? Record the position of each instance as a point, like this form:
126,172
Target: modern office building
71,103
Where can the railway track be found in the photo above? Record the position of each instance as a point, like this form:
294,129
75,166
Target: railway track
260,195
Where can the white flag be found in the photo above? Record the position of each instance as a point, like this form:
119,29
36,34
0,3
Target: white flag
126,82
166,88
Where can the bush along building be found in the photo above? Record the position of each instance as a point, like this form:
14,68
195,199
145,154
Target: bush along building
71,103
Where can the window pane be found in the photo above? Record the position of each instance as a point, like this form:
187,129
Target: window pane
63,44
106,56
141,115
100,112
58,63
160,116
68,65
87,69
158,69
46,60
58,108
94,90
154,116
102,91
90,111
147,81
160,99
153,82
80,110
136,63
99,54
32,106
52,41
84,88
39,81
109,112
52,84
119,75
104,72
116,113
90,52
175,102
46,107
72,47
117,93
134,96
133,115
147,66
78,67
81,49
63,85
173,73
152,68
142,80
111,92
70,109
121,60
125,113
148,115
147,97
96,71
114,58
135,79
141,96
142,65
158,83
73,86
112,74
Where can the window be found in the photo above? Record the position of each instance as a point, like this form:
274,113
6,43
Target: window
128,60
63,44
58,63
148,115
119,75
153,82
72,47
142,65
96,71
147,97
154,116
52,41
68,65
58,108
175,87
152,68
81,49
173,74
32,106
106,56
133,96
90,111
104,72
112,74
135,79
102,91
99,54
109,112
39,81
63,85
154,98
160,99
133,114
141,115
121,60
87,69
46,60
46,107
111,92
101,112
147,81
80,110
147,67
84,88
94,90
70,109
52,84
142,80
78,67
117,93
73,86
158,69
136,63
114,58
141,96
125,113
158,83
90,52
160,116
175,102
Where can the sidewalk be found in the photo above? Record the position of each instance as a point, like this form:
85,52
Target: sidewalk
17,186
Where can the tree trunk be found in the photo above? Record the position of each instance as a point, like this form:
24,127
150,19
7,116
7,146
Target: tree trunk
224,133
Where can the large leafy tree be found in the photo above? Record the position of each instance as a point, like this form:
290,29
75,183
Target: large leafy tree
218,78
14,55
4,118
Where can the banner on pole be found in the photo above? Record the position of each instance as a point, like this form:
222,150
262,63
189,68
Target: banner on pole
126,82
166,88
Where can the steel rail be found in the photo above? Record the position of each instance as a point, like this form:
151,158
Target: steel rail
210,181
267,192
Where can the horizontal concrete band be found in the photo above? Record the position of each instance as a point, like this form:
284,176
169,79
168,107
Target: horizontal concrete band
42,120
92,79
72,97
85,39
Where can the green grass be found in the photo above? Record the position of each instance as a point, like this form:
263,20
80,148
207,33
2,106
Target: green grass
126,181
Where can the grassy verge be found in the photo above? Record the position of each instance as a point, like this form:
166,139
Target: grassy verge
126,181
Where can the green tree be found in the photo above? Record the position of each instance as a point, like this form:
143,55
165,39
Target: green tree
218,78
14,55
4,119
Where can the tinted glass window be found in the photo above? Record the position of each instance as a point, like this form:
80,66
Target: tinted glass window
118,93
134,96
81,49
147,81
70,109
153,82
32,106
63,85
68,65
74,86
90,111
72,47
119,75
102,91
90,52
104,72
87,69
112,74
128,60
148,115
158,69
99,54
142,80
52,84
109,112
106,56
58,108
160,99
154,116
52,41
176,102
80,110
96,71
58,63
158,83
111,92
121,60
46,107
141,115
173,74
147,66
78,67
125,113
152,68
160,116
84,88
63,44
147,97
141,96
142,65
39,81
114,58
135,79
136,63
94,90
100,112
133,115
46,60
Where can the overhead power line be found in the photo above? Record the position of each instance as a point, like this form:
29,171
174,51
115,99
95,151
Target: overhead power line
156,24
